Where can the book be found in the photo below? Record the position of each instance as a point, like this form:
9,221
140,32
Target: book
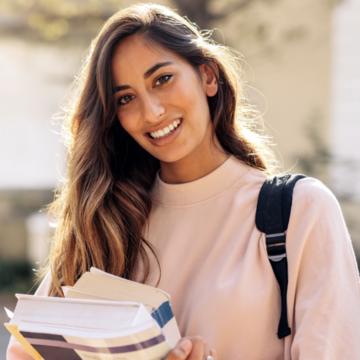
98,284
101,317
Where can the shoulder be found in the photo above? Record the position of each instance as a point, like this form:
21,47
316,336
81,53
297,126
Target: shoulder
317,234
313,204
316,214
309,192
313,195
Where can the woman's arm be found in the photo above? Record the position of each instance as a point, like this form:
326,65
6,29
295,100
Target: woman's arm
14,350
326,288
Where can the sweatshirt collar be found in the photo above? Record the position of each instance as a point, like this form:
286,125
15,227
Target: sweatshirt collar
204,188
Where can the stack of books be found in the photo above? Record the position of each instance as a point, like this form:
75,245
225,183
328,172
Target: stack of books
101,317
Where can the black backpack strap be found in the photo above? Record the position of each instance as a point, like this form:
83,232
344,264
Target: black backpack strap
272,218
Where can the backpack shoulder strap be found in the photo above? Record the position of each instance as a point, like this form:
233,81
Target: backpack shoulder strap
272,218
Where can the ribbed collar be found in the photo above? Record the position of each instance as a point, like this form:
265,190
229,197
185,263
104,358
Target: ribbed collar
206,187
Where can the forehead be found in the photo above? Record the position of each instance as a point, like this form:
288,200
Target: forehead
135,54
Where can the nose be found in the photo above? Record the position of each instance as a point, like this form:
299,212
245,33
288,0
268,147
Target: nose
153,109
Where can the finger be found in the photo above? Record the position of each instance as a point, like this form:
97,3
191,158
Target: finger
181,351
199,349
213,353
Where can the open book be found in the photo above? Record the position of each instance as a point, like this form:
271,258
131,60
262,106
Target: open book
102,317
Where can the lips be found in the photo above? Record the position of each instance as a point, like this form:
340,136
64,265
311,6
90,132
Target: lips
163,127
166,139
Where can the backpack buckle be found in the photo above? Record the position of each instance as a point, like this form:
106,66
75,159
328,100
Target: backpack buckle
275,245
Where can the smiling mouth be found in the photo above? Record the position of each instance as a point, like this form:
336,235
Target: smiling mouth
169,133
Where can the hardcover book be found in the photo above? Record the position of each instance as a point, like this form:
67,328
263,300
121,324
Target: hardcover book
102,317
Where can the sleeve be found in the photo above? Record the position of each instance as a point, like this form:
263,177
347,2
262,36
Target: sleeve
14,350
324,285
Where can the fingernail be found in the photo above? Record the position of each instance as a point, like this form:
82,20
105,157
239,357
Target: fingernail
185,345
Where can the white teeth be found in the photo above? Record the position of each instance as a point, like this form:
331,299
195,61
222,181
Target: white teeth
166,130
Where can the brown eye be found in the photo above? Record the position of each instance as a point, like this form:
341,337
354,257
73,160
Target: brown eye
123,100
163,79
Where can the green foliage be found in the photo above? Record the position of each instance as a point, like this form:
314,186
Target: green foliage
16,276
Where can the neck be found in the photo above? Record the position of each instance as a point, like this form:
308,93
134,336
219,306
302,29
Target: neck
195,165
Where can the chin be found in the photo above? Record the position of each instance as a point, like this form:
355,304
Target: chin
171,156
168,158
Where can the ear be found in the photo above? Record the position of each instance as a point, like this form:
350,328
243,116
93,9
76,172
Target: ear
209,79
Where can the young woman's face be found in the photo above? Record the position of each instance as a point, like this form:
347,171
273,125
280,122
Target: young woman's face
161,99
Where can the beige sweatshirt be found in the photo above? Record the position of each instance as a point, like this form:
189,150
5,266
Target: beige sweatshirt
215,266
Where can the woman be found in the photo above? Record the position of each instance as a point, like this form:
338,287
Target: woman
163,179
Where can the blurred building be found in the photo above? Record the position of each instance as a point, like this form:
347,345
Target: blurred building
35,82
345,100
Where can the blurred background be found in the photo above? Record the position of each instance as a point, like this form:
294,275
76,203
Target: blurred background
301,62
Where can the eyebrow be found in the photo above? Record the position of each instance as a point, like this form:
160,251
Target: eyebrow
147,74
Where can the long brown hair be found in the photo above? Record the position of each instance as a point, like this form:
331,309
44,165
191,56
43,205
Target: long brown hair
104,203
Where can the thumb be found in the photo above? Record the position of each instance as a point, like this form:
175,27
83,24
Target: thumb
183,348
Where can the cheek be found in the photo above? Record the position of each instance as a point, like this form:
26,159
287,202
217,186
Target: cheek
128,123
195,100
200,111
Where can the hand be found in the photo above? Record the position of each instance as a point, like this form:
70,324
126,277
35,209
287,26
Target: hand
191,348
